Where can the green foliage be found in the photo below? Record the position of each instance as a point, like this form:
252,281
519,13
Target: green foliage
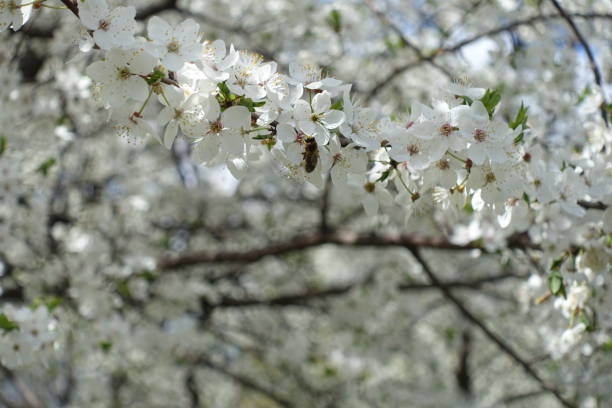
2,145
338,105
7,324
490,100
155,77
335,20
556,285
46,166
51,302
385,175
226,99
106,346
520,120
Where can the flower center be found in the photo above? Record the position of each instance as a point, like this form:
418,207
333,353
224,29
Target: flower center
443,164
369,187
103,25
446,129
173,46
490,178
216,127
123,73
480,135
413,149
316,117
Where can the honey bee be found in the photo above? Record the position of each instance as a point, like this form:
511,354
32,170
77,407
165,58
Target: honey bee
310,154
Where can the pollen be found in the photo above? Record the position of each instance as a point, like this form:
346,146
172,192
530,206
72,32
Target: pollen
443,164
216,127
123,73
413,149
490,178
104,25
173,46
480,135
446,129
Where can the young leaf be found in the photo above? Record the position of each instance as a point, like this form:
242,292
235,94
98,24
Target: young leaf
490,100
556,285
2,145
7,324
46,166
335,20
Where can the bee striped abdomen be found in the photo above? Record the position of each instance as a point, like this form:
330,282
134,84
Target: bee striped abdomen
311,154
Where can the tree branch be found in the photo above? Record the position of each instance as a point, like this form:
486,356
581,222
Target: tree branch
455,48
387,21
245,382
303,298
338,238
587,48
501,343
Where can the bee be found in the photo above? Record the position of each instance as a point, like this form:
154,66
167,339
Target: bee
310,154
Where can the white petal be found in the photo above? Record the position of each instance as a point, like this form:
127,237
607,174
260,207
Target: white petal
170,134
302,110
91,12
187,31
321,102
232,143
236,117
159,30
213,111
286,133
333,119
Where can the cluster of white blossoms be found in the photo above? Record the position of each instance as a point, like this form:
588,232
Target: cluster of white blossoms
26,334
457,154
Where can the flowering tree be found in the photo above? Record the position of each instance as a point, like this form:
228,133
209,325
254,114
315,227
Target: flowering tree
311,204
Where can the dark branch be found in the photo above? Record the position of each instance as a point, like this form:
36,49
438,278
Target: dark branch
457,47
303,298
587,48
245,382
338,238
501,343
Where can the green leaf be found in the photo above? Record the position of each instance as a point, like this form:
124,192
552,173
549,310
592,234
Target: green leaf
224,91
526,198
335,20
46,166
607,346
556,285
589,321
338,105
385,175
557,263
585,92
2,145
51,302
106,346
155,77
490,100
521,117
466,100
7,324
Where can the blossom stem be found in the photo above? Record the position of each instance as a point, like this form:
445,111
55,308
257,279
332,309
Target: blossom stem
455,156
399,175
146,101
54,7
163,94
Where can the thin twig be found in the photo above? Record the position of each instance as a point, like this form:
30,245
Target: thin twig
501,343
348,239
587,48
457,47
